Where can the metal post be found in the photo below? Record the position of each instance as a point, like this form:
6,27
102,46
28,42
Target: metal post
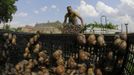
101,24
127,50
103,27
126,28
121,28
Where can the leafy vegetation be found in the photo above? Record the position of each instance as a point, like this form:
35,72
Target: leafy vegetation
7,9
99,25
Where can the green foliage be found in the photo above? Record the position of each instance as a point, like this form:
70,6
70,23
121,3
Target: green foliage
111,26
18,29
99,25
6,27
15,29
7,9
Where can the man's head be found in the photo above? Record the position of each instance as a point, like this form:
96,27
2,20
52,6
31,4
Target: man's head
69,9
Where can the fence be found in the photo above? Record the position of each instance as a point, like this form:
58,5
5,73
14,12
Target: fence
68,44
128,67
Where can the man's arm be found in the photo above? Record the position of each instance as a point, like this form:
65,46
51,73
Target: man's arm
65,19
80,19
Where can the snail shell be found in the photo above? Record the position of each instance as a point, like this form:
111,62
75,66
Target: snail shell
123,45
117,42
13,41
31,41
82,68
60,61
83,55
71,63
57,54
81,39
91,39
123,36
101,40
98,72
60,70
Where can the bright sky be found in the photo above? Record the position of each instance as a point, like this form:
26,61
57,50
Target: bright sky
38,11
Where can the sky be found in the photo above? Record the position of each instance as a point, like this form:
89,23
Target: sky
31,12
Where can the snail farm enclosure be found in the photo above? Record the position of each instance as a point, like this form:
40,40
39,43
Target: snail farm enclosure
70,47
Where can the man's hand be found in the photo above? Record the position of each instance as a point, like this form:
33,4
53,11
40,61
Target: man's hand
65,19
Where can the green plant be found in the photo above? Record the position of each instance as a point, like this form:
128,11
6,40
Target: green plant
99,25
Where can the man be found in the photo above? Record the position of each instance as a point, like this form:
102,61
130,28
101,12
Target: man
72,17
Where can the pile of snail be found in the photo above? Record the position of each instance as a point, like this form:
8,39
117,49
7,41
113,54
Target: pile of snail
91,39
120,41
37,61
11,38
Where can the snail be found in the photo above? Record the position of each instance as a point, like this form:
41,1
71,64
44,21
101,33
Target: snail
100,40
30,64
27,53
35,62
117,42
43,61
110,55
72,72
37,48
60,70
91,39
120,61
57,54
28,71
35,37
60,61
13,41
19,68
24,62
82,69
98,71
71,63
90,71
43,71
28,44
43,58
83,55
42,54
31,41
123,45
81,38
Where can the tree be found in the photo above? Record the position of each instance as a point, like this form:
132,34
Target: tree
7,9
